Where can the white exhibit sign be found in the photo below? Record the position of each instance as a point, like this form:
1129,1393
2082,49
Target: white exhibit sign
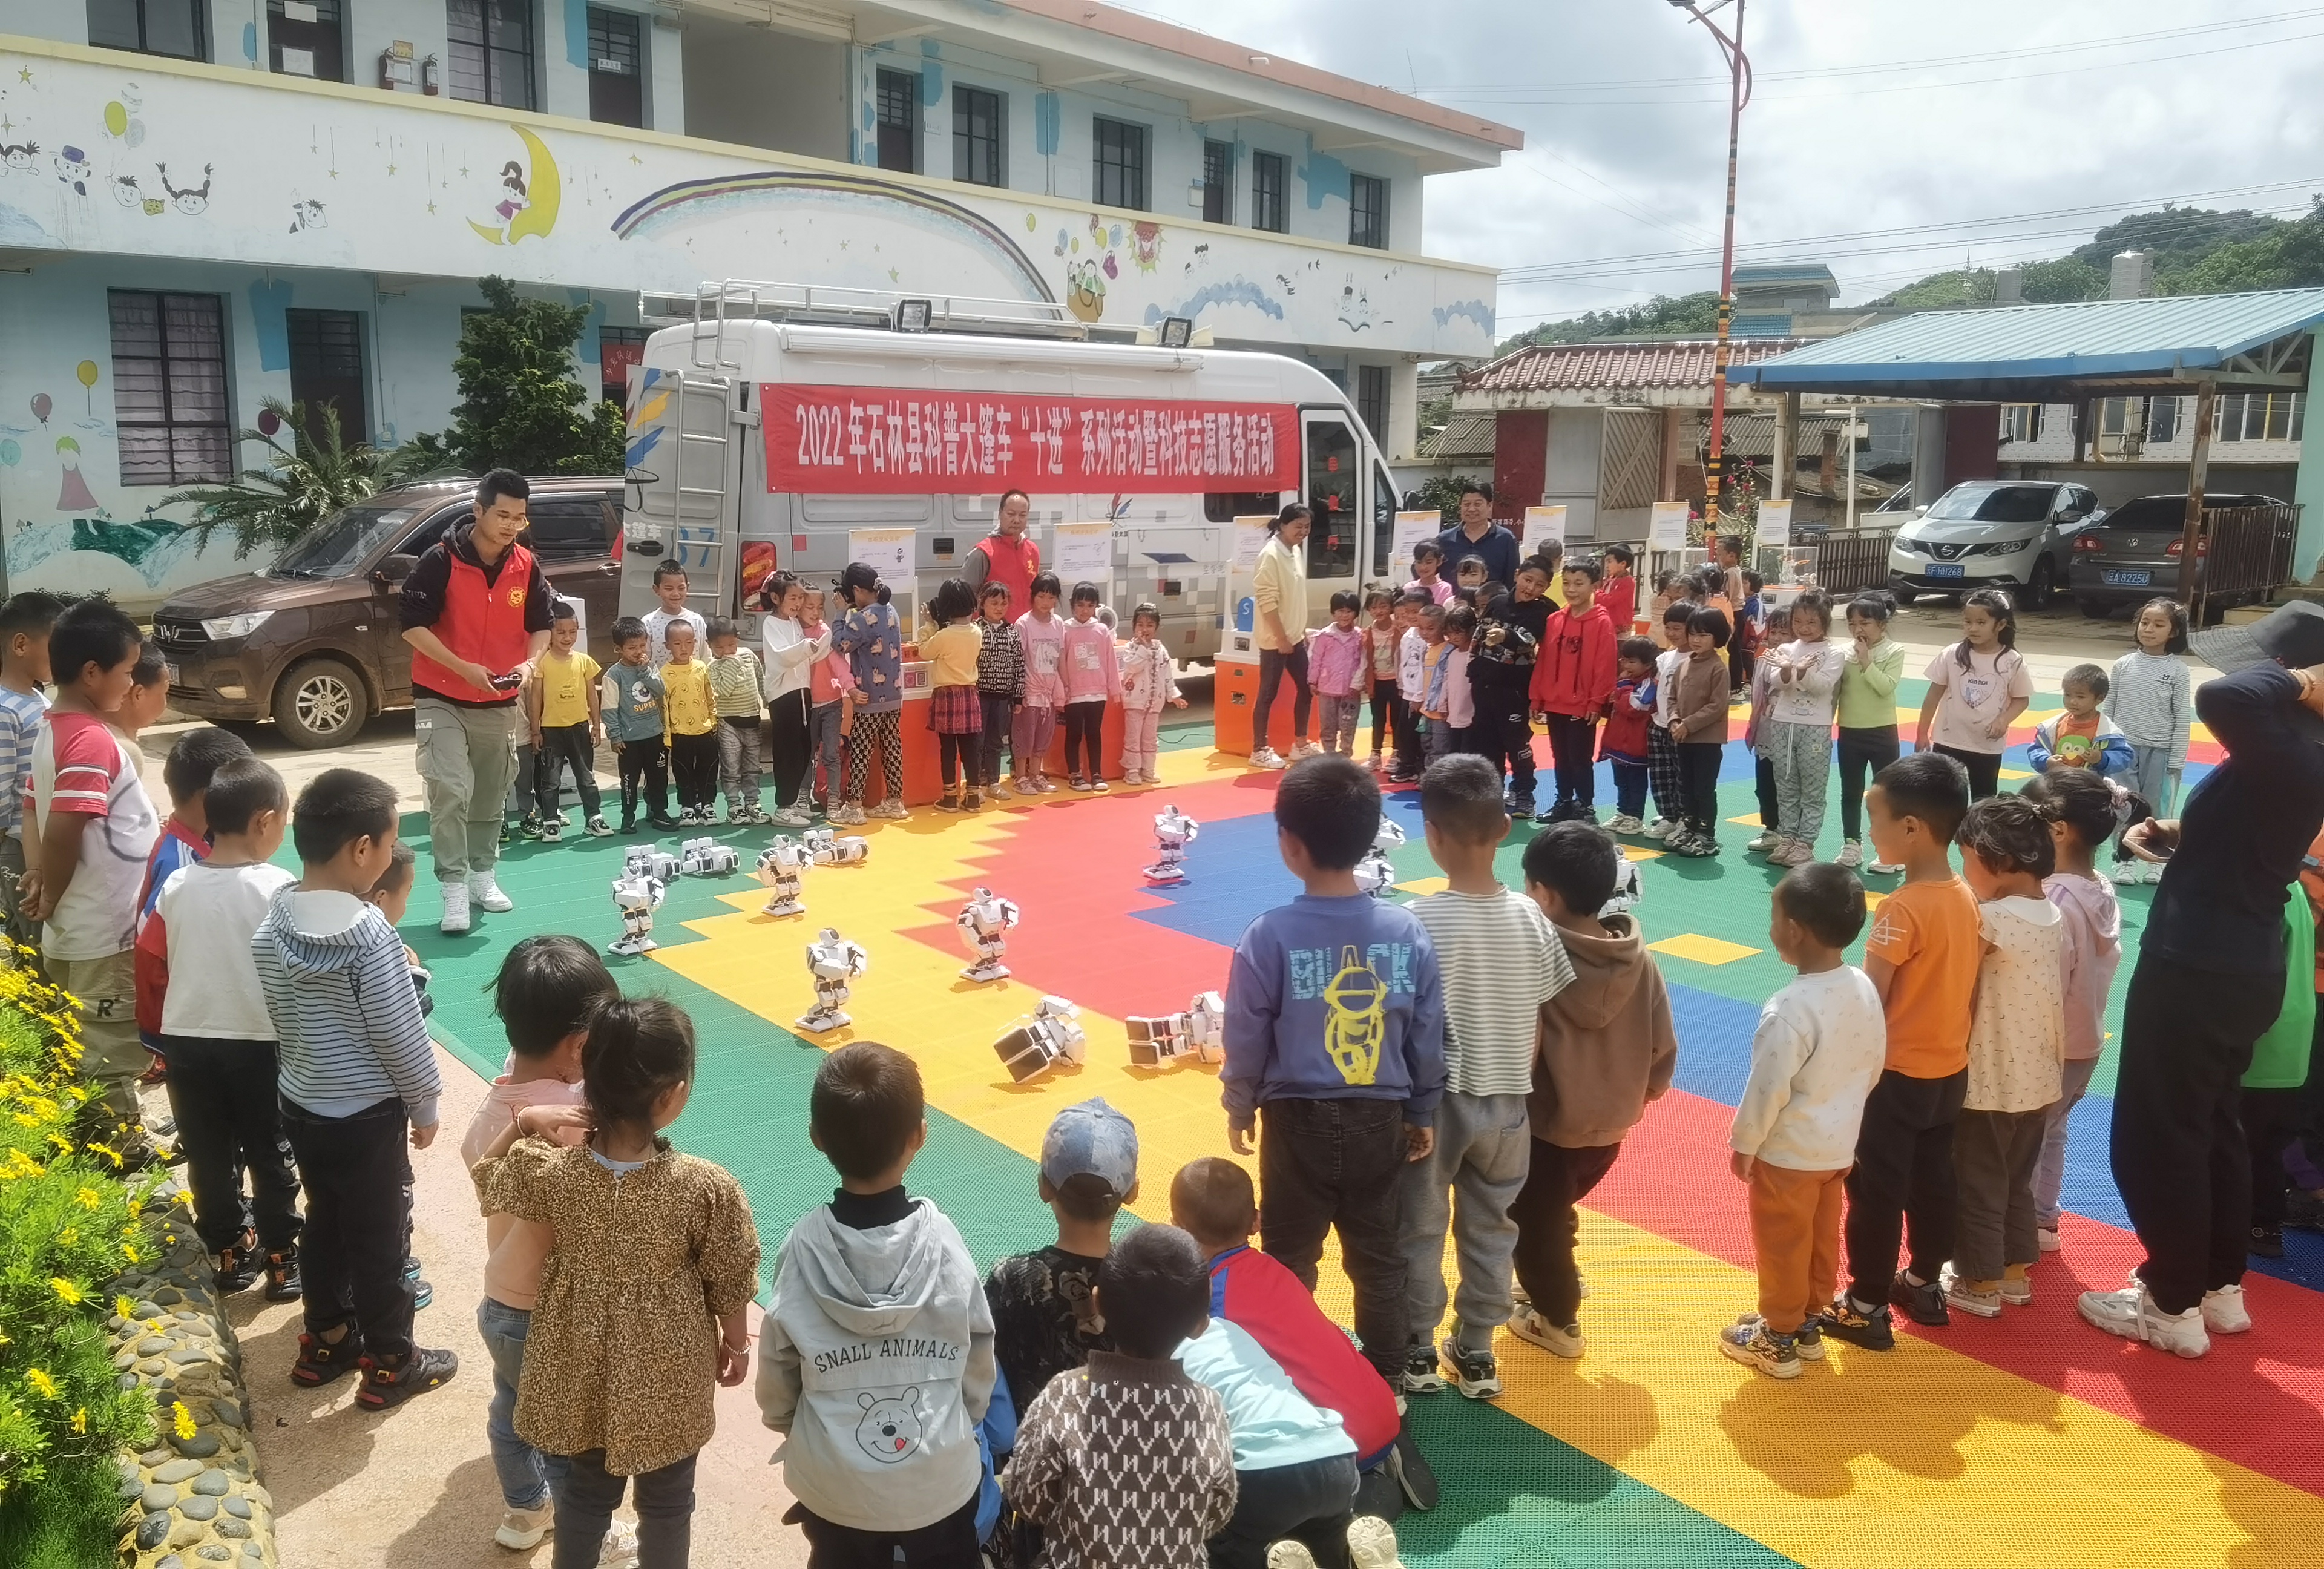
1774,529
1411,529
1083,553
1542,524
1666,526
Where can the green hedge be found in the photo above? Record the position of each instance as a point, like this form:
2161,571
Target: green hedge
69,1223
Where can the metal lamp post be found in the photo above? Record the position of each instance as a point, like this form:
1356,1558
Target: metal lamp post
1738,68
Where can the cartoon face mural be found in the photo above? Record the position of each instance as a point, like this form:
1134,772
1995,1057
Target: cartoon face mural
527,203
307,214
21,156
890,1429
1086,289
125,192
72,170
194,199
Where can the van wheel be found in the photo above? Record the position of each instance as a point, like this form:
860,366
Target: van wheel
321,703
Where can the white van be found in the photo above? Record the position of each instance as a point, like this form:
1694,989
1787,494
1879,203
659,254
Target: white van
775,422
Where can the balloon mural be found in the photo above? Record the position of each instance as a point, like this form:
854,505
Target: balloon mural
86,373
9,453
268,422
41,404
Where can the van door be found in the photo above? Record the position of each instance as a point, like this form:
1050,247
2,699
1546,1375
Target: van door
1334,487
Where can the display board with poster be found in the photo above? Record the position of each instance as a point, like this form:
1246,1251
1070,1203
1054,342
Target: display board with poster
1411,530
1666,526
1083,553
1772,529
889,552
1542,525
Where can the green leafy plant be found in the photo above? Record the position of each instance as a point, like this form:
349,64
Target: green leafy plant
311,471
520,406
68,1224
1442,492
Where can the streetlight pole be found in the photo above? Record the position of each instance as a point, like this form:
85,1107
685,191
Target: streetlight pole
1738,69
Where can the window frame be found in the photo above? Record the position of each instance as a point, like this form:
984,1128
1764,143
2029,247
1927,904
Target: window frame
1270,200
1218,181
1373,392
197,11
299,322
1377,212
635,71
574,503
1130,159
885,80
966,98
490,54
168,381
334,24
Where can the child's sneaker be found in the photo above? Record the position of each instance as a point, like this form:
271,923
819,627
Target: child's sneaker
1375,763
1750,1341
1001,792
1475,1373
237,1265
283,1275
1568,1342
1045,786
1807,1342
1851,856
1097,784
598,828
1873,1331
2131,1314
1130,777
973,802
1420,1376
2017,1291
1887,868
1080,784
320,1361
1767,841
2047,1239
891,809
1266,757
1626,824
521,1530
2224,1311
1661,828
1290,1552
847,815
1371,1544
1698,846
2267,1241
1520,808
419,1372
552,829
529,826
1963,1294
1305,749
1925,1303
1412,1474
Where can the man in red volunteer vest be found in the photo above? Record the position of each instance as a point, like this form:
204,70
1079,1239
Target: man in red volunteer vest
476,613
1008,555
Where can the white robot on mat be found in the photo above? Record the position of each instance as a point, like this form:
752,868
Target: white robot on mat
1200,1032
706,858
832,961
1174,830
1053,1034
1375,874
636,895
830,850
782,864
984,921
647,860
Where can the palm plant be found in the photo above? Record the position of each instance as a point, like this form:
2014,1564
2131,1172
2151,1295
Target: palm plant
306,480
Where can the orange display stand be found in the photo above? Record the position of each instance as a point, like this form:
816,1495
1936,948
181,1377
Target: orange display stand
1237,692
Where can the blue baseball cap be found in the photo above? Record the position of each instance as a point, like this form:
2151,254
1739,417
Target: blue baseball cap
1092,1140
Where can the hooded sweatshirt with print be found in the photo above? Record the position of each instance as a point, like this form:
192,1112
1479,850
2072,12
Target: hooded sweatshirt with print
1608,1046
876,1362
348,1024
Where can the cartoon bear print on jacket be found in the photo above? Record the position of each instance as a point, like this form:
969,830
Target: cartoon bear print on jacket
891,1428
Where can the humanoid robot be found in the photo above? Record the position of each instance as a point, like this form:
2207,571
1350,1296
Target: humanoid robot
1200,1032
780,866
1053,1034
984,922
651,861
829,850
636,895
832,961
1174,830
706,858
1375,874
1627,890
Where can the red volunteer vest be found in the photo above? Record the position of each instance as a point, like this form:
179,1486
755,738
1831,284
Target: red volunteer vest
1012,564
483,622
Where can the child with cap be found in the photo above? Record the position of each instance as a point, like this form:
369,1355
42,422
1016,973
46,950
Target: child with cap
1044,1319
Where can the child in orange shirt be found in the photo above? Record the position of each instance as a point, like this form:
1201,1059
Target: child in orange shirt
1922,956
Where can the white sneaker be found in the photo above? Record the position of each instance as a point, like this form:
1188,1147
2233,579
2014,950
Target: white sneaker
1960,1294
1626,824
620,1548
794,816
1851,856
456,909
2131,1314
1768,840
1661,828
1306,749
485,891
2048,1239
1290,1552
1266,757
1371,1544
999,791
891,809
521,1530
2224,1311
1569,1341
1886,869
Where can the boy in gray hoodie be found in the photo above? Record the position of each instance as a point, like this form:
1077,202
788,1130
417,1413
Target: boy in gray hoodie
356,1073
876,1355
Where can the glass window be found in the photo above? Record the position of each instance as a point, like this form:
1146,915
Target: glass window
1226,506
306,39
619,348
1371,400
897,113
2021,422
1987,501
976,136
169,387
1267,207
326,368
1218,182
1367,211
170,27
1119,158
490,50
569,527
1384,503
1332,474
616,69
2161,419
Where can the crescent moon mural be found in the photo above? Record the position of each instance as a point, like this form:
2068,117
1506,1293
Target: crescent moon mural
528,198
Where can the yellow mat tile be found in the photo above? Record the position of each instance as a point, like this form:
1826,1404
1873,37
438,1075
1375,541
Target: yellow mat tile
1701,949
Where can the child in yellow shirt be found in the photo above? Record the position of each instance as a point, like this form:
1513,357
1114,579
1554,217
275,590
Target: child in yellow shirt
689,720
561,702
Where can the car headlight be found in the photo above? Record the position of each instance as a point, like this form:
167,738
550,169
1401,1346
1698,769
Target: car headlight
2006,547
221,627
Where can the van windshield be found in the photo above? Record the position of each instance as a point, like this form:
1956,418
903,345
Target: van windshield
1994,503
342,543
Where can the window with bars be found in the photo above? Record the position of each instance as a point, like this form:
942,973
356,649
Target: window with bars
306,38
491,51
976,136
1218,182
1268,176
169,387
1367,211
326,368
897,120
167,27
1371,400
616,69
1118,157
2259,417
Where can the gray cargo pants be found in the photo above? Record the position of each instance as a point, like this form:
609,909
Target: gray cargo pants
467,761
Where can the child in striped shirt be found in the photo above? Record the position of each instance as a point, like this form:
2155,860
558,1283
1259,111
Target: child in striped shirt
734,675
24,624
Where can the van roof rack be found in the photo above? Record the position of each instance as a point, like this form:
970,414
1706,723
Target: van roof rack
710,308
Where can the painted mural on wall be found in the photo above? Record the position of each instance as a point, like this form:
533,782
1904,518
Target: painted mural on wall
286,175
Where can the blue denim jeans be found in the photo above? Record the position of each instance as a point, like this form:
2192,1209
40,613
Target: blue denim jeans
524,1469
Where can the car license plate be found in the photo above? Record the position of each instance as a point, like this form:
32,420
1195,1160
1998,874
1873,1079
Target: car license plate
171,674
1947,569
2126,577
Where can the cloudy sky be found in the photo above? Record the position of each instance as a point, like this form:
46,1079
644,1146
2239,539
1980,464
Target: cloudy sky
1870,116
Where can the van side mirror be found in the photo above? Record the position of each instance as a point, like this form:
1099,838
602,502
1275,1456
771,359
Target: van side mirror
392,572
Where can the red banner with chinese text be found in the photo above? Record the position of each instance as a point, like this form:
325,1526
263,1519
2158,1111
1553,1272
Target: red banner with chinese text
871,440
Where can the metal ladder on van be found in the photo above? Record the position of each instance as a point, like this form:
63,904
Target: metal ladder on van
697,512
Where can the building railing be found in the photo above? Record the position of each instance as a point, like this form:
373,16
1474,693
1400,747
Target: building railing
2244,555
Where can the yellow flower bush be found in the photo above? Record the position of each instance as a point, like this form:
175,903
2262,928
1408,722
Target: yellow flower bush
68,1223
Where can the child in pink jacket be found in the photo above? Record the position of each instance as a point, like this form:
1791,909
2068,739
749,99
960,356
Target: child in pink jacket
1092,676
830,691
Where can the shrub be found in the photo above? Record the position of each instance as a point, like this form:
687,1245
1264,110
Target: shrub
69,1223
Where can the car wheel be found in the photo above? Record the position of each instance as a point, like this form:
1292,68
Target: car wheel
1901,594
321,703
2096,609
2042,585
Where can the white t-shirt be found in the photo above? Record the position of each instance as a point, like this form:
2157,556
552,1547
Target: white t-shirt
1807,697
209,914
81,764
656,624
2017,1038
1975,697
1818,1051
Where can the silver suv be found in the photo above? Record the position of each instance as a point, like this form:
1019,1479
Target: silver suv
1992,534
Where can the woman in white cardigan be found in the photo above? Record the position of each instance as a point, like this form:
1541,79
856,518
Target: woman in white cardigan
1279,598
789,654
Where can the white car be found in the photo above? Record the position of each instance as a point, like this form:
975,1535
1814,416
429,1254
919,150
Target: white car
1992,534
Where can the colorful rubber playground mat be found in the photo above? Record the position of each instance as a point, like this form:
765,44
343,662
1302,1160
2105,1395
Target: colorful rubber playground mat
2031,1440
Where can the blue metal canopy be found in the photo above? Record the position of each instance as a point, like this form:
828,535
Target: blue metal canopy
2057,353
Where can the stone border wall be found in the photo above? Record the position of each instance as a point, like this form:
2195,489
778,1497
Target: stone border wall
194,1501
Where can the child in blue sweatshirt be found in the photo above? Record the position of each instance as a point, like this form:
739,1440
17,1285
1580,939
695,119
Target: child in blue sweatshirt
1335,1031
